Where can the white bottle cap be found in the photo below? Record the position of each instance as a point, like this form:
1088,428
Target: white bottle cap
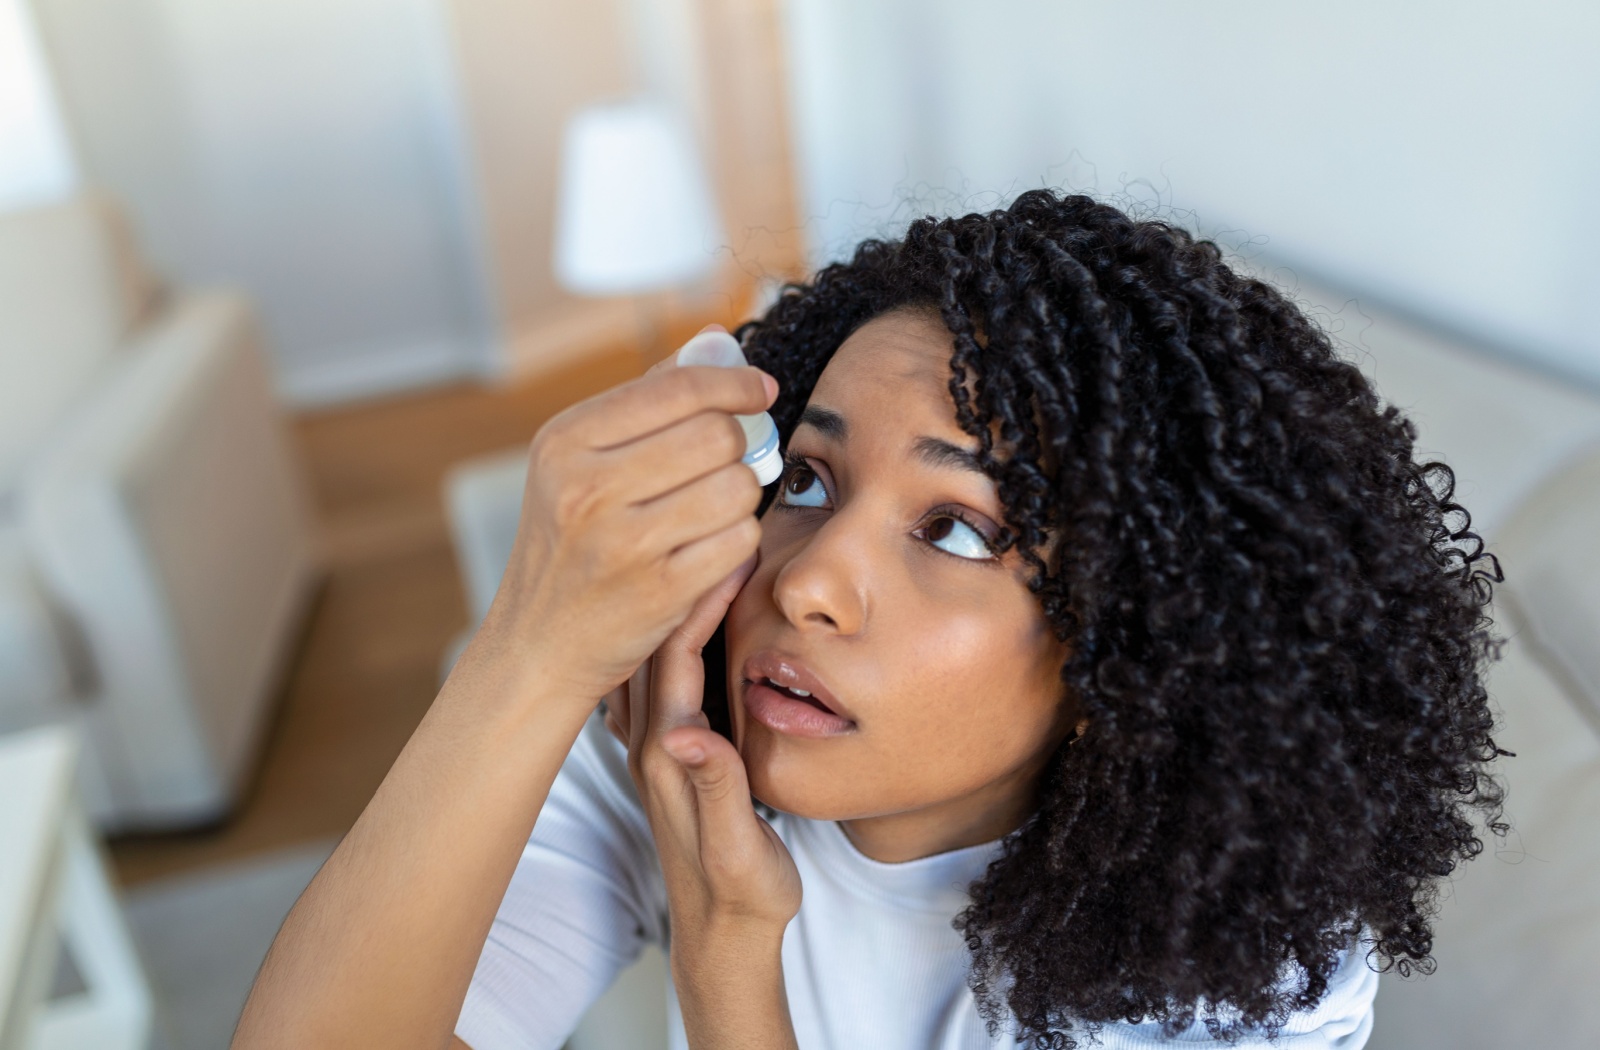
767,461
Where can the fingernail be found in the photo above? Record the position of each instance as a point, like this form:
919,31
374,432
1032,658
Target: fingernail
770,383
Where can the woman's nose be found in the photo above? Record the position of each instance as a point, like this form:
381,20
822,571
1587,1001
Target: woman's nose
822,586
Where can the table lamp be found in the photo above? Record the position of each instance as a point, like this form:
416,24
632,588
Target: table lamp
634,210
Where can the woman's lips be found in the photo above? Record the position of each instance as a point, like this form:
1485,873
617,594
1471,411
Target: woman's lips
788,672
787,714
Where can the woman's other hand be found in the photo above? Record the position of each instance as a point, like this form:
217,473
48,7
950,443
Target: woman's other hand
726,870
732,886
636,504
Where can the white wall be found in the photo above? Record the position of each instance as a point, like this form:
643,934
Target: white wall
35,159
1442,157
308,150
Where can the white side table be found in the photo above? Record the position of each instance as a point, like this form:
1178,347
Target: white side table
54,890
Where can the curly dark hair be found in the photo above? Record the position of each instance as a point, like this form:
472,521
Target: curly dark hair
1277,618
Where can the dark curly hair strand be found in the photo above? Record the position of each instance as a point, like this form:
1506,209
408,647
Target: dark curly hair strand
1277,617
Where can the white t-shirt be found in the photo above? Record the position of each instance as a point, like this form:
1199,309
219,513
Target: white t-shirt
871,960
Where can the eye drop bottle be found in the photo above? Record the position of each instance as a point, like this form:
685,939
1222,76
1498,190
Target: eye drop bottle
721,350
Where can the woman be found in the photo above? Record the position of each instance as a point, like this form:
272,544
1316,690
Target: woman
1103,665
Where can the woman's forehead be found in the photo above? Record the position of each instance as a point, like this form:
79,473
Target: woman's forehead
894,370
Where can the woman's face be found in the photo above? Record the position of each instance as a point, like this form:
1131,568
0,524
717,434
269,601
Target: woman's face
870,582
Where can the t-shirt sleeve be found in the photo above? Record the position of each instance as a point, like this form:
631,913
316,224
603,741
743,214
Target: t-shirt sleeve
586,896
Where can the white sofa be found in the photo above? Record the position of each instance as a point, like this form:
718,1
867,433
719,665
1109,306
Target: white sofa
1517,937
155,550
1518,934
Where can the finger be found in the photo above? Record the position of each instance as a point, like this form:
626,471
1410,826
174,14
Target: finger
614,729
615,705
729,831
642,406
715,556
697,510
677,690
698,627
638,687
673,456
616,701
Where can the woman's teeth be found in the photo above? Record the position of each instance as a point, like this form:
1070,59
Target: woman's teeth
789,689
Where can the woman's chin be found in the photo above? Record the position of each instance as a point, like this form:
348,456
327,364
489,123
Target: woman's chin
816,779
795,790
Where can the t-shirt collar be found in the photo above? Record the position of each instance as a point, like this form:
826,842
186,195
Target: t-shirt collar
935,884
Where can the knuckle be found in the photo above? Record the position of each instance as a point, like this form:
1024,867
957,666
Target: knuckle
557,430
676,574
549,453
682,388
630,548
733,498
744,491
730,441
579,499
542,456
714,786
747,537
710,438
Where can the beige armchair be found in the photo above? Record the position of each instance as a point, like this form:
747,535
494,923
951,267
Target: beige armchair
155,552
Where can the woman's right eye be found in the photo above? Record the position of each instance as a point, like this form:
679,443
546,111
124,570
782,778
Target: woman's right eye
802,488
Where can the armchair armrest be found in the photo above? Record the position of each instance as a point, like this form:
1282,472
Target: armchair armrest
35,680
169,522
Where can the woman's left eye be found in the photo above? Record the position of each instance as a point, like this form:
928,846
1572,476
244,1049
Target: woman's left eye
801,487
964,540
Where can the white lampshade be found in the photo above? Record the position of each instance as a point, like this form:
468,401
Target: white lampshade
634,212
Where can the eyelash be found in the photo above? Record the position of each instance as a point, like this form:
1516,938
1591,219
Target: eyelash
793,461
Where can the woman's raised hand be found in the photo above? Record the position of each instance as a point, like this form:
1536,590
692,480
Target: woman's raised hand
636,504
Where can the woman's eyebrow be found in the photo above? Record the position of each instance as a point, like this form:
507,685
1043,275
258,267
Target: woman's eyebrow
826,420
935,452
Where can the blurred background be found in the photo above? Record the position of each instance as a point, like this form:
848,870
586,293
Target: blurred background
286,286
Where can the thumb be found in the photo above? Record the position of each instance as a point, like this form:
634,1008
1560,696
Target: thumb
727,818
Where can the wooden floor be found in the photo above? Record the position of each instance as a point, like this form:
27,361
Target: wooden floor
368,662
